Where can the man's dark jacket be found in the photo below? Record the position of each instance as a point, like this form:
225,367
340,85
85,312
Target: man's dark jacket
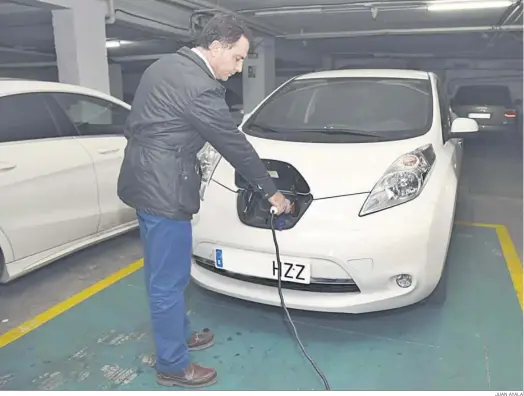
178,107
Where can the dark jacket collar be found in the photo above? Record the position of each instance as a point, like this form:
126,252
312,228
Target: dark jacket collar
188,53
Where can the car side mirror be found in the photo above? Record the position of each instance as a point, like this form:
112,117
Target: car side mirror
463,128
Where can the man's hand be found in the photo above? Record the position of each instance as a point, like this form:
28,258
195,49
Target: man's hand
281,203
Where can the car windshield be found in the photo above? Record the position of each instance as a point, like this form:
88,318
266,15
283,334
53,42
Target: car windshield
345,110
486,95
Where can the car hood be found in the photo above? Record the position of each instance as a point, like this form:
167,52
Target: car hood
329,169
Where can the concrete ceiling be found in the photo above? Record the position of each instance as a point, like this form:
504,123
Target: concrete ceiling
26,35
343,27
398,27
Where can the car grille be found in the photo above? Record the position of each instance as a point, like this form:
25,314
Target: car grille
317,285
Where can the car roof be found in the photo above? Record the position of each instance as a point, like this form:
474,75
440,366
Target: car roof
13,86
381,73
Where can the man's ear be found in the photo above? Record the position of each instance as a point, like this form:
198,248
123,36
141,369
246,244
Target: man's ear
215,46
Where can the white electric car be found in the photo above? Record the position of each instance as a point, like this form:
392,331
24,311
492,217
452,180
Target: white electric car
61,148
371,159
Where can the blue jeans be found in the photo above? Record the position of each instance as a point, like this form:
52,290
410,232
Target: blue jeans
167,264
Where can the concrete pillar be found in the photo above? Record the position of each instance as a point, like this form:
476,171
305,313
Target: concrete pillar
258,75
116,81
80,37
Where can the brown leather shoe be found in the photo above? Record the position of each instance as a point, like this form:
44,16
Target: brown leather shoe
194,376
201,340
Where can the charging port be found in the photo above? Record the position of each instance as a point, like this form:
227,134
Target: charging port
253,210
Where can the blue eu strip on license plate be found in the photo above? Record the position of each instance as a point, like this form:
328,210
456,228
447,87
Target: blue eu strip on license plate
218,258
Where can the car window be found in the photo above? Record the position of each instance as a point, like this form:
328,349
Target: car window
93,116
26,117
392,108
483,95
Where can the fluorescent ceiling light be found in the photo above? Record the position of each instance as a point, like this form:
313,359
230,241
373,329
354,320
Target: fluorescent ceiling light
291,11
310,10
116,43
468,5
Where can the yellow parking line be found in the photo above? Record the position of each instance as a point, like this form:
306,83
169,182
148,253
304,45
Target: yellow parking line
479,225
512,260
510,255
63,306
509,252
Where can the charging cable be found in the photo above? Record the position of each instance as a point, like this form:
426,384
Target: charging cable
274,211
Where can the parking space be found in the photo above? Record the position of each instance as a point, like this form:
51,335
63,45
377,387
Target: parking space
490,189
469,340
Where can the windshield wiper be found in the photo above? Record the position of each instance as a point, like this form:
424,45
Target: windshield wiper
344,131
328,130
264,127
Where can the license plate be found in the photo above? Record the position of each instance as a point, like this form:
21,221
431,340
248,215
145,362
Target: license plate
479,115
263,265
291,272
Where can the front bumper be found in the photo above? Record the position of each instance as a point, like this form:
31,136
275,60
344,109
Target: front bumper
354,262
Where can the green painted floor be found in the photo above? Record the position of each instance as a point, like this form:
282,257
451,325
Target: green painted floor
472,341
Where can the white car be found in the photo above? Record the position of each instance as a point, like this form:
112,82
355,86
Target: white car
371,159
61,148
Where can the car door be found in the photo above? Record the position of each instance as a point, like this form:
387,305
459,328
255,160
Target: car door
100,124
48,189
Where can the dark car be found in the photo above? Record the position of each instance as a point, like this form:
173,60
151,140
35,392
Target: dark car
490,105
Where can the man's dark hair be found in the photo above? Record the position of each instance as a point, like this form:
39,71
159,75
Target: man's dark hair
223,28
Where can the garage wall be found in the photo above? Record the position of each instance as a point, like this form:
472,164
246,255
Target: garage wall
454,72
511,78
32,73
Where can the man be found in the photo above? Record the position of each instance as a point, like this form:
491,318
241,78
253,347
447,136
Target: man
179,105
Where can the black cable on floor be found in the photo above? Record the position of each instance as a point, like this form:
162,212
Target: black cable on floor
283,304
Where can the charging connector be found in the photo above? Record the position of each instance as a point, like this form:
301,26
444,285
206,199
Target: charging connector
274,211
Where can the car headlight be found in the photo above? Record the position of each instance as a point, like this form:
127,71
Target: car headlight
403,181
209,159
